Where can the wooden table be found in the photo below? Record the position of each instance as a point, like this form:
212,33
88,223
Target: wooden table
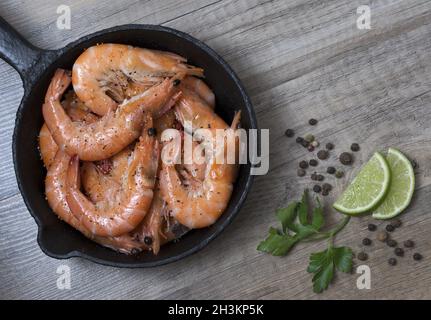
298,59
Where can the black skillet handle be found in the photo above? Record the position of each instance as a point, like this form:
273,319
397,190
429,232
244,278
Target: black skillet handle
17,51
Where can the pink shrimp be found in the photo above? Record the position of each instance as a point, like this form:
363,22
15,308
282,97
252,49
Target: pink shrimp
132,204
201,204
111,133
102,74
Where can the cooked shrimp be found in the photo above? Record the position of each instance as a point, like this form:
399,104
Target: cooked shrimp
76,110
201,89
105,71
111,133
132,203
55,190
201,204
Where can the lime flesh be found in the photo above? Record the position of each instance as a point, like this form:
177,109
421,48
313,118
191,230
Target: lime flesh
400,189
367,189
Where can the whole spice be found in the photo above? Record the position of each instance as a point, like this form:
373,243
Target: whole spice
391,243
323,154
310,148
362,256
314,176
312,122
417,256
372,227
354,147
396,223
317,188
320,177
152,131
303,164
327,186
346,158
289,133
313,162
305,143
409,244
399,252
382,236
325,192
330,170
309,138
315,143
300,172
392,261
148,241
390,228
329,146
299,140
366,241
339,174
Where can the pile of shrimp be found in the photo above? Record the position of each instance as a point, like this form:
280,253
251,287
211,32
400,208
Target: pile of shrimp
101,144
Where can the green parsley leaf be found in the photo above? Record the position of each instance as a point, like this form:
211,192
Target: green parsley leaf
317,220
287,215
343,259
323,265
276,243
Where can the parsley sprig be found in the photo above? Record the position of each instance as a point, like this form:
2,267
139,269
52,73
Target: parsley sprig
297,225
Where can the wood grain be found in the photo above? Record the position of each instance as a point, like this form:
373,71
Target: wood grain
298,59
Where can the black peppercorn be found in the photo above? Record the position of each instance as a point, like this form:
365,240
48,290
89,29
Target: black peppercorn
325,192
327,186
320,177
313,162
409,244
312,122
362,256
392,261
289,133
317,188
372,227
303,164
366,241
310,148
323,154
391,243
354,147
329,146
301,172
330,170
299,140
417,256
399,252
152,132
390,228
148,240
396,223
346,158
314,176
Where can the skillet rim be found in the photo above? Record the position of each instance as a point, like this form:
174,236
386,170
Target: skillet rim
29,85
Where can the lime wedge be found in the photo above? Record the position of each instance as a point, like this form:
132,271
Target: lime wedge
367,189
400,189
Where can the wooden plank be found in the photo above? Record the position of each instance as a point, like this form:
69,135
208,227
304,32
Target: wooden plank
298,59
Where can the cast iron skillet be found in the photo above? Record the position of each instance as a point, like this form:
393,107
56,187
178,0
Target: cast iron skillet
36,67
